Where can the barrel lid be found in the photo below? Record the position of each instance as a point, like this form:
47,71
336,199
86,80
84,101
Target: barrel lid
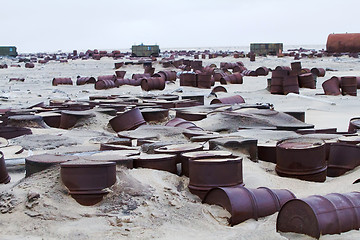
300,143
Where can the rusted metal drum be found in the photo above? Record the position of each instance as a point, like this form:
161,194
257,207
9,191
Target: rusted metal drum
166,75
267,152
62,81
249,73
200,155
107,77
219,75
196,65
341,43
348,86
302,158
179,122
178,149
188,79
149,69
320,215
228,100
262,71
205,174
70,118
190,115
243,203
51,119
342,158
203,80
29,65
164,162
291,84
152,83
129,120
118,65
87,180
141,75
104,84
155,114
319,72
85,80
218,89
307,80
354,125
120,74
276,85
332,86
358,82
296,67
4,176
38,163
235,78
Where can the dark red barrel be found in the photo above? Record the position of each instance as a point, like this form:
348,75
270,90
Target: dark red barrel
302,158
343,157
188,79
120,74
243,203
141,75
62,81
348,86
107,77
104,84
291,84
235,78
319,72
203,80
354,125
4,176
332,86
262,71
153,83
341,43
319,215
205,174
85,80
29,65
228,100
307,80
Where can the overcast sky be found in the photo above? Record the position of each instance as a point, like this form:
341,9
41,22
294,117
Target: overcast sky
43,25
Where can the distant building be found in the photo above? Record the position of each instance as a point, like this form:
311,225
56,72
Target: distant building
145,50
266,48
8,51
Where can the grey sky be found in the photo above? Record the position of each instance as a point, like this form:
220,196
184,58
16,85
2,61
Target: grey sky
42,25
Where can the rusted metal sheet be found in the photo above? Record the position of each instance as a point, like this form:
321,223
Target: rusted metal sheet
38,163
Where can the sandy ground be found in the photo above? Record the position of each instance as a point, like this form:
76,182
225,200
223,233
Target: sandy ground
144,203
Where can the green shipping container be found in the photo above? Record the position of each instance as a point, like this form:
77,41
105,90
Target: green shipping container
8,51
266,48
145,50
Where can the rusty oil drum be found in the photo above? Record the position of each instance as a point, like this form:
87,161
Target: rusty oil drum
228,100
343,157
62,81
302,158
348,86
86,180
243,203
315,215
307,80
128,120
206,174
332,86
152,83
4,176
163,162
